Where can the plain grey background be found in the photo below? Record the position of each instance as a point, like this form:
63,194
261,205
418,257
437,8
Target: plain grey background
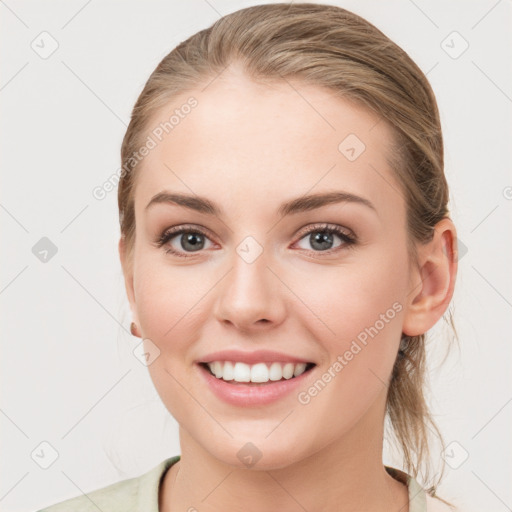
71,388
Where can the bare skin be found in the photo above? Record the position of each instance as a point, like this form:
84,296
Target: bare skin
249,147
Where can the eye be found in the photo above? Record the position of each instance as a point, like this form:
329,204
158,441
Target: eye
181,240
321,237
189,239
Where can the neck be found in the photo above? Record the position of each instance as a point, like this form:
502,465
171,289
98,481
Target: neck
347,475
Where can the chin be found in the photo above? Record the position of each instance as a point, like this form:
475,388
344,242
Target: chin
257,456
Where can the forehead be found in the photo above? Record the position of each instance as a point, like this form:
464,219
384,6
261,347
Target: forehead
268,141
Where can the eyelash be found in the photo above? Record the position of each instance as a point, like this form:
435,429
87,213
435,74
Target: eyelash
166,236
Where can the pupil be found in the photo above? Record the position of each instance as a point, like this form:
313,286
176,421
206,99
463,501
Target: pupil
321,238
192,238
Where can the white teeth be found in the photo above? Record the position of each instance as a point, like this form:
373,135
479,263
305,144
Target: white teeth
226,372
242,372
276,371
259,372
299,369
217,368
288,370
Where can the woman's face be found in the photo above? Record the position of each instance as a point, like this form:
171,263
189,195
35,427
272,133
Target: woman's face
257,280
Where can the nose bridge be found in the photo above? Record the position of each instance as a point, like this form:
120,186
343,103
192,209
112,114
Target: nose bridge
250,292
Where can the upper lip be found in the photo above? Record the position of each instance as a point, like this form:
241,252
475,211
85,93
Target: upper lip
256,356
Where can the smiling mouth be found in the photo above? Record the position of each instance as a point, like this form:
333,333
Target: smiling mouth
259,373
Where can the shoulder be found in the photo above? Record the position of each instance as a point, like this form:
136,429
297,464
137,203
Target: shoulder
419,498
123,496
435,504
117,496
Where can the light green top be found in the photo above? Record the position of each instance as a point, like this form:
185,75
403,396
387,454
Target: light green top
140,494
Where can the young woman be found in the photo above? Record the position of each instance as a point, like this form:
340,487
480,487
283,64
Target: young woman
286,244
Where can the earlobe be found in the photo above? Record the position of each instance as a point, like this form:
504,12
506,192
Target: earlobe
434,280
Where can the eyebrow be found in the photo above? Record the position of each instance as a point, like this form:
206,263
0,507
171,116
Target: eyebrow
294,206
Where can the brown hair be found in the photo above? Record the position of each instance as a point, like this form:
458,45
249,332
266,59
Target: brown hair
330,47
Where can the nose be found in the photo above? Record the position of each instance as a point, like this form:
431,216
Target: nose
251,297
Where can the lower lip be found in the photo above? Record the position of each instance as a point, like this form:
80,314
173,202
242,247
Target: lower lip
247,394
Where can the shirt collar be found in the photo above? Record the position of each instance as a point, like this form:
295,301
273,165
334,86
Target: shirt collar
149,485
417,498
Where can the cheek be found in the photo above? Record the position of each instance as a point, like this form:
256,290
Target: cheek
360,308
358,311
171,313
350,298
168,300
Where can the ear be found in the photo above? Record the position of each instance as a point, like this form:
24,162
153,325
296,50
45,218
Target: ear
433,281
127,267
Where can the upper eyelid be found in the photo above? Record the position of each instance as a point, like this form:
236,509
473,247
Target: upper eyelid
325,225
185,228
